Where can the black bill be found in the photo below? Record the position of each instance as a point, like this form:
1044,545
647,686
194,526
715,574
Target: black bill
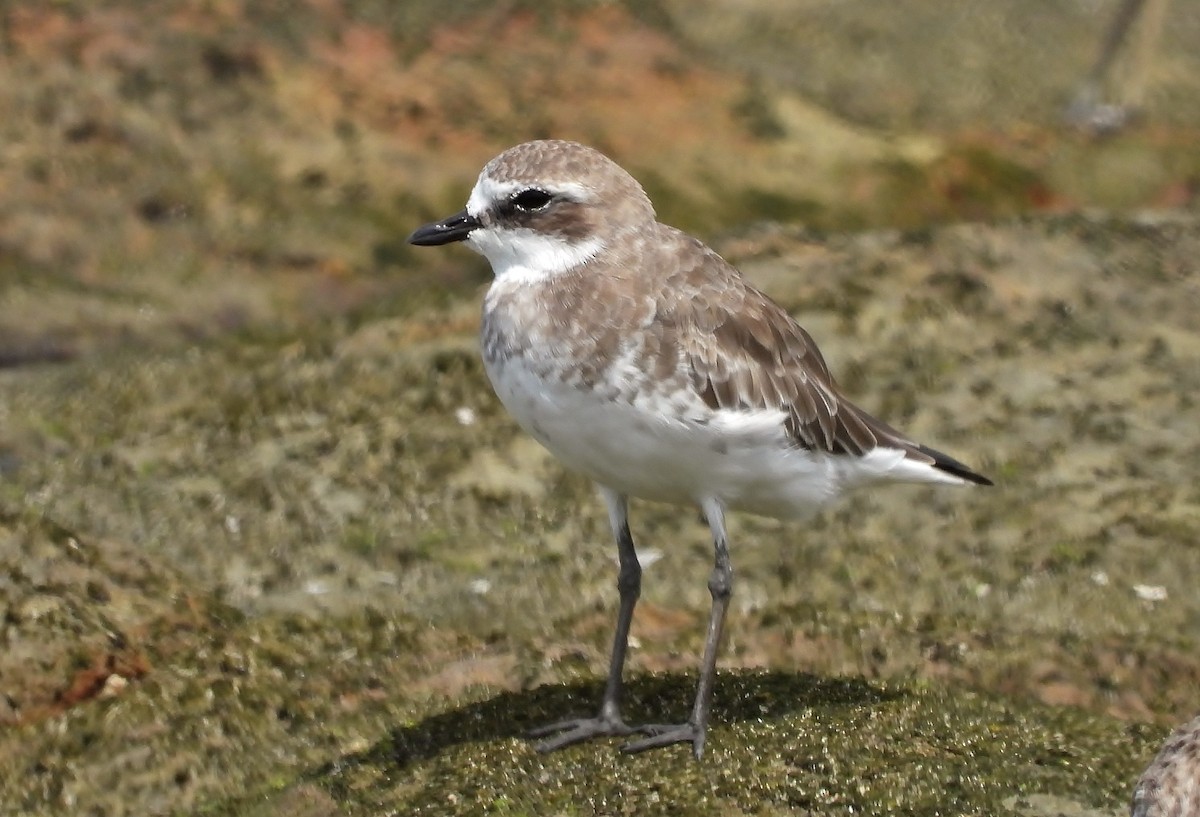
455,228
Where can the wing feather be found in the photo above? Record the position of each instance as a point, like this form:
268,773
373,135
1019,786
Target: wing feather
744,352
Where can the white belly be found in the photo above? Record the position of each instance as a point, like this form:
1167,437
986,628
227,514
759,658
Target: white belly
663,449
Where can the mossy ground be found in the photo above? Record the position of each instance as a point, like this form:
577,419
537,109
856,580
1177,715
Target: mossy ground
331,559
269,545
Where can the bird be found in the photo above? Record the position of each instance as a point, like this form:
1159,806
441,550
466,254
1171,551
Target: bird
1170,786
1092,108
642,359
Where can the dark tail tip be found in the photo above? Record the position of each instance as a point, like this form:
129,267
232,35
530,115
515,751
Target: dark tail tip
944,462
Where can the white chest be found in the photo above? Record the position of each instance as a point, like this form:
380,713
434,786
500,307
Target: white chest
652,449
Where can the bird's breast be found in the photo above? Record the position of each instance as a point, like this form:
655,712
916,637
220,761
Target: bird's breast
658,442
612,398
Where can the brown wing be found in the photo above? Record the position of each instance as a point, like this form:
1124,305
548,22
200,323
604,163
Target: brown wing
743,351
750,354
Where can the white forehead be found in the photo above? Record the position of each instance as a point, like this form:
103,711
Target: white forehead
489,191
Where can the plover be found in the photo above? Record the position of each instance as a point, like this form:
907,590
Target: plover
1170,786
643,360
1093,108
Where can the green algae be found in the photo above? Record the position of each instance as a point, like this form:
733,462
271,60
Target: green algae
782,743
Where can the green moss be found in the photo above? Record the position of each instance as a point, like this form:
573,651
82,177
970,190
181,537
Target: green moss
333,679
250,508
757,113
781,741
769,205
967,181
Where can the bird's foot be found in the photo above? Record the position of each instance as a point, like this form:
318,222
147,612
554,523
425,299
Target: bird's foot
576,730
1088,112
667,734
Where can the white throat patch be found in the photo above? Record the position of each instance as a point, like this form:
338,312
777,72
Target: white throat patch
524,255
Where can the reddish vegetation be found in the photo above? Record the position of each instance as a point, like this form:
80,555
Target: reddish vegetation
92,681
44,696
601,76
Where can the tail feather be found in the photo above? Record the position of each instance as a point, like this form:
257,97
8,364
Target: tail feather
944,462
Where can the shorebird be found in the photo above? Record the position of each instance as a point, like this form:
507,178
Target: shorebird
1099,109
640,358
1170,786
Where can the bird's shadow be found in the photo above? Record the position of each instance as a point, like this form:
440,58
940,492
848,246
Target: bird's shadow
741,695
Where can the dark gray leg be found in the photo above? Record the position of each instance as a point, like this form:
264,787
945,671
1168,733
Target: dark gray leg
720,585
629,584
1089,110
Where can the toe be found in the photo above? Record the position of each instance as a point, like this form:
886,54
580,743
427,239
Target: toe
554,728
658,736
562,734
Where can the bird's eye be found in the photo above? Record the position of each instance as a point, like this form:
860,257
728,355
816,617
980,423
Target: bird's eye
530,199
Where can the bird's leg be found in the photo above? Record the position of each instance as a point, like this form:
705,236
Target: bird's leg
1089,109
629,584
720,585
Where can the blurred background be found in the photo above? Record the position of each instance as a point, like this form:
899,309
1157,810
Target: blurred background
188,169
261,515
